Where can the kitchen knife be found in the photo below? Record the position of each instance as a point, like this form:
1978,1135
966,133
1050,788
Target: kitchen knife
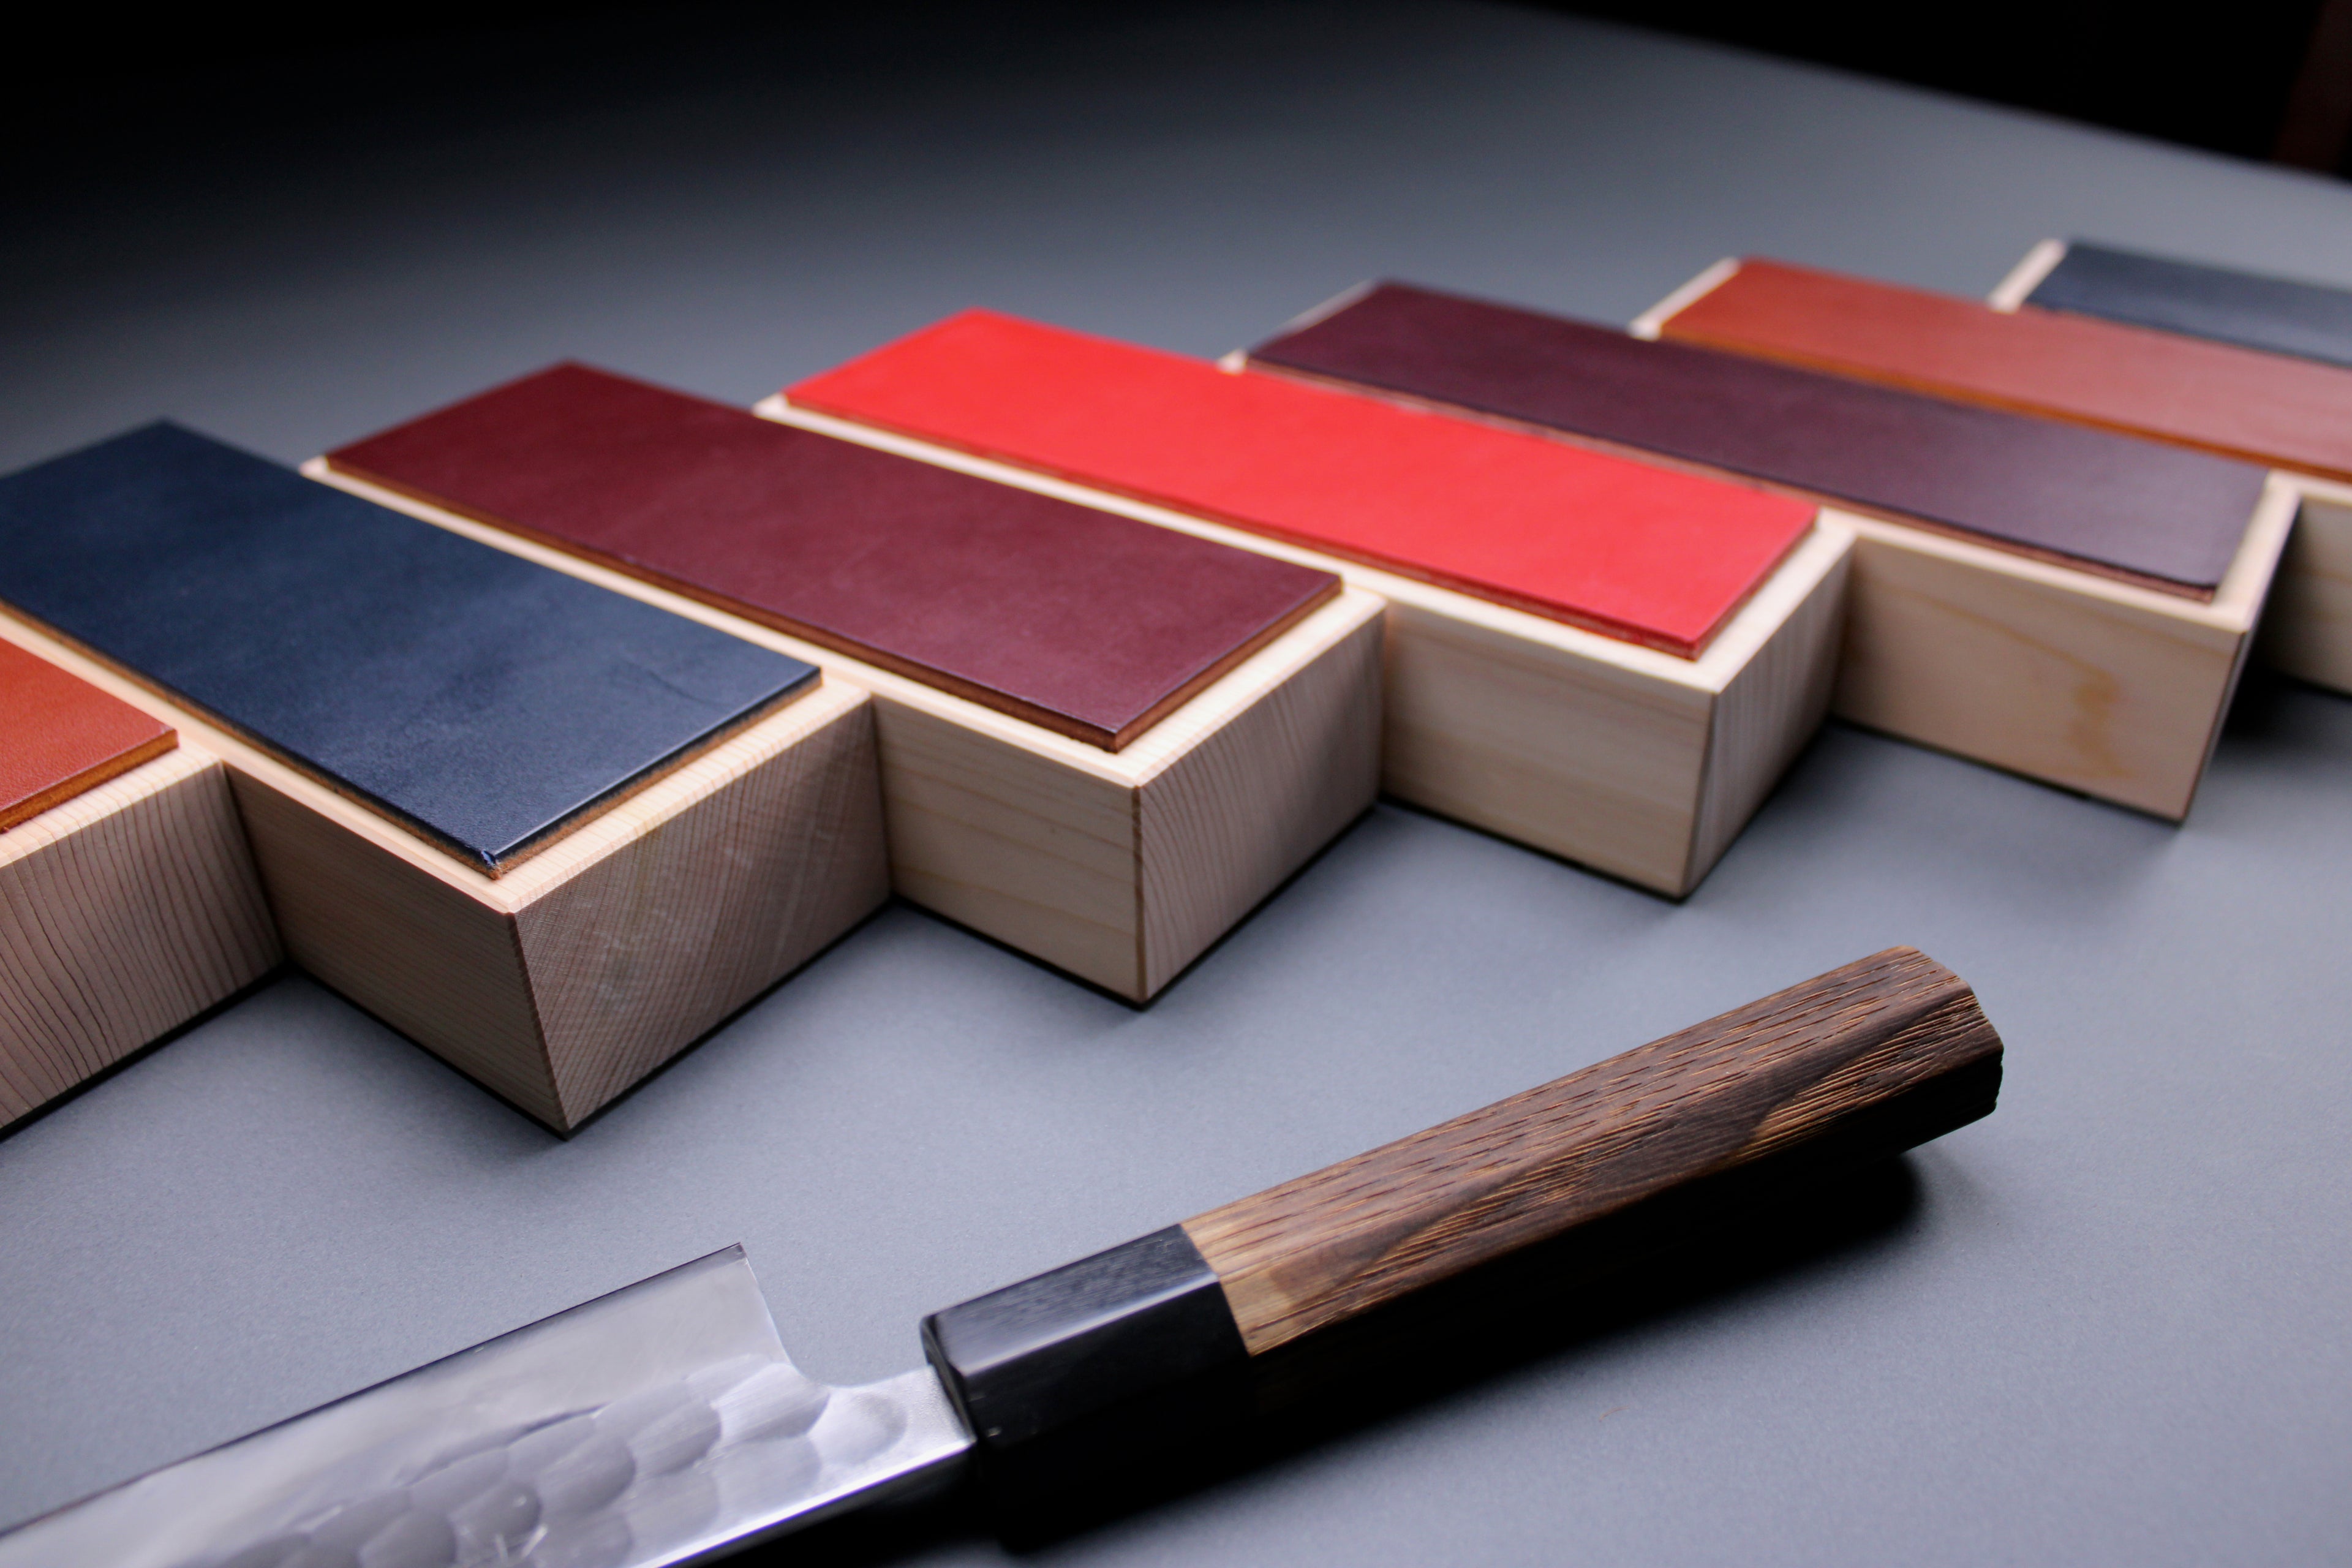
664,1423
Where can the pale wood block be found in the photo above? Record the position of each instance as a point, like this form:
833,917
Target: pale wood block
2008,296
1623,758
2306,627
566,978
1775,701
1239,804
125,912
2307,630
2065,676
1120,868
1033,848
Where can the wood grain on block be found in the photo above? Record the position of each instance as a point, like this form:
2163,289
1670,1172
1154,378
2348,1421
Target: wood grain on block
2061,675
1119,867
1662,559
2277,315
1088,625
59,736
2307,628
618,946
125,911
479,701
1639,764
562,981
700,815
2066,603
2307,631
2262,408
1780,1076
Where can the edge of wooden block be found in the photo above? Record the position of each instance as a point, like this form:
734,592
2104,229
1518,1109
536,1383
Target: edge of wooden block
102,800
681,788
779,853
1052,860
507,893
2226,618
1257,677
162,917
1653,322
2024,278
86,779
1534,653
326,831
939,778
1246,802
2068,677
1234,361
2307,631
2235,608
2313,486
1771,709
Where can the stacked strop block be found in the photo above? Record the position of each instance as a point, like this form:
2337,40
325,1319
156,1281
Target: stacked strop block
549,833
2287,414
2309,630
1597,658
1101,743
128,901
2066,603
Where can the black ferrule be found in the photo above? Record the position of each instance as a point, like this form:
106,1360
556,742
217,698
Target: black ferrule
1091,1367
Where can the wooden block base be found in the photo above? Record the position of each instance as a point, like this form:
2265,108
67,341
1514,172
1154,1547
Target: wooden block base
125,912
2064,676
2071,677
2307,625
1622,758
2307,630
562,983
1120,868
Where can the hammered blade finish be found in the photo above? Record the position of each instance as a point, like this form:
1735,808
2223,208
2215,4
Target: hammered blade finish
654,1425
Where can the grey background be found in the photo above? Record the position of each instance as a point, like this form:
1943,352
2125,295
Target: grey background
2109,1326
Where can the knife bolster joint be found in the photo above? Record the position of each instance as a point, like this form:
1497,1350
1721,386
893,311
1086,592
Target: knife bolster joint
1091,1365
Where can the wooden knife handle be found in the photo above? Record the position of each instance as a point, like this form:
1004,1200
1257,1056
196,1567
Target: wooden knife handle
1755,1081
1851,1066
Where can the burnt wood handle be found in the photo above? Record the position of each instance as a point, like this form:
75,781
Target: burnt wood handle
1067,1369
1754,1082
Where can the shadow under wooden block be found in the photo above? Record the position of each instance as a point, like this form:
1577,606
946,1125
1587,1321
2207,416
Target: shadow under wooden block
125,912
564,982
2063,674
1623,758
1121,867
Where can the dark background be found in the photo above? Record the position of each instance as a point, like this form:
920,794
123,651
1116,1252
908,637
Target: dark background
2224,78
2261,80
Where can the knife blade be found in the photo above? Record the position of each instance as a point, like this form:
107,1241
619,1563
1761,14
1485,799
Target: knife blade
664,1423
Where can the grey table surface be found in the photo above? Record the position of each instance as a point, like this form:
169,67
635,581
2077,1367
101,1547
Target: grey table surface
2106,1325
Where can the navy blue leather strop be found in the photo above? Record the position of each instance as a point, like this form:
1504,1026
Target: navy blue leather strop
485,701
2308,321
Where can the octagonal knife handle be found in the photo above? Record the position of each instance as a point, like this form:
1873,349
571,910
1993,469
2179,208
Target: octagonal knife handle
1847,1068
